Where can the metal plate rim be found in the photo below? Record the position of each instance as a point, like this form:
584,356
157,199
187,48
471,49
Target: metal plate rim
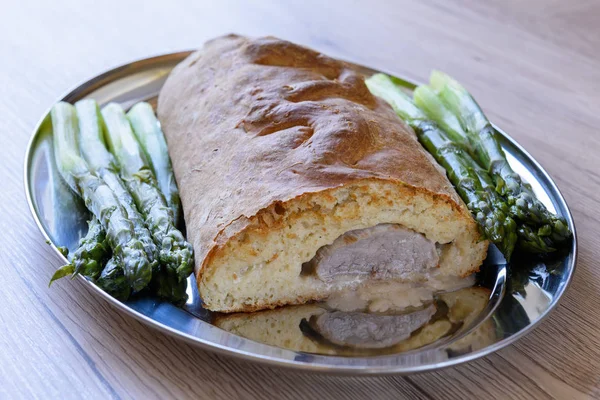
267,360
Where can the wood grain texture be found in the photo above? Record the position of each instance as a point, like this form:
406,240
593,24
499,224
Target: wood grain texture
534,66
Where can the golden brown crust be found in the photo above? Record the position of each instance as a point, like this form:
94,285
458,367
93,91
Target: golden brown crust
254,123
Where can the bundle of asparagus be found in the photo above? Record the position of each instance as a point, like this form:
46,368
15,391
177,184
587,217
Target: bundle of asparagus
132,223
451,126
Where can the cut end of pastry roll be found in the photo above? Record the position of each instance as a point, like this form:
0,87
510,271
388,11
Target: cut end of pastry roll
261,265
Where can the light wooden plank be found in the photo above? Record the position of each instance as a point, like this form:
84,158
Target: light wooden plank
532,65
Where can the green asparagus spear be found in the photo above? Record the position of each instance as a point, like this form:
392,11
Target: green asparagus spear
511,230
427,100
98,197
102,163
382,86
501,216
113,280
175,252
528,239
521,199
488,212
146,128
88,259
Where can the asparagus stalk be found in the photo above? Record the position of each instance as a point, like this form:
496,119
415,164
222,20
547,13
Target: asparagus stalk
426,99
524,206
488,212
98,197
175,252
528,239
88,259
505,224
146,128
102,163
382,86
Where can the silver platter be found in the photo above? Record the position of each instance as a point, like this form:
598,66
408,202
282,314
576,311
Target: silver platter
518,300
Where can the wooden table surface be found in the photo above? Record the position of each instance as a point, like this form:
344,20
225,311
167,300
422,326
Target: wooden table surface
534,66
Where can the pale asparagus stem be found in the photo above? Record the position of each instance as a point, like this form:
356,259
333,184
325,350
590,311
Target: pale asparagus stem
102,163
175,252
146,128
93,146
98,197
426,99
